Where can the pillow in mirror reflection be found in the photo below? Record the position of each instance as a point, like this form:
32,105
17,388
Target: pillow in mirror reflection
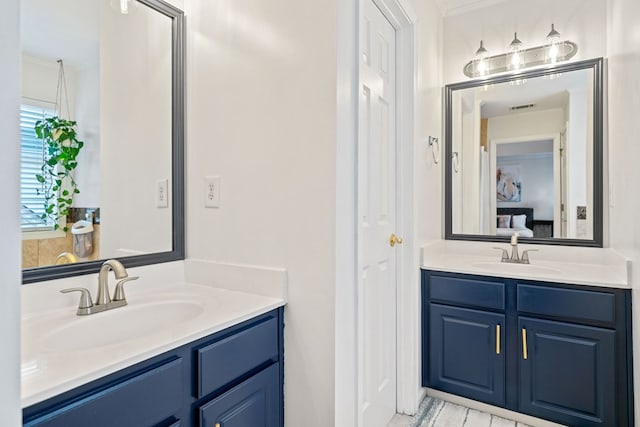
518,221
504,221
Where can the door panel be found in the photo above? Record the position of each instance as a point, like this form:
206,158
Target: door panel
569,372
467,353
377,221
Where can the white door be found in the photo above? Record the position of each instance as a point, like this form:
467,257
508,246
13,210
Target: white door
377,221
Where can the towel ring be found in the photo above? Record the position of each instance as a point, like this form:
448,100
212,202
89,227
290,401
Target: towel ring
435,149
456,161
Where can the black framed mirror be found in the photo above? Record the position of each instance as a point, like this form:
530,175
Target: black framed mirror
524,154
124,83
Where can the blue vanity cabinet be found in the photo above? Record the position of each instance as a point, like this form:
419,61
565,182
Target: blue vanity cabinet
566,350
233,377
466,327
467,353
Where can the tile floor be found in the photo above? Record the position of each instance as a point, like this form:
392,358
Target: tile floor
438,413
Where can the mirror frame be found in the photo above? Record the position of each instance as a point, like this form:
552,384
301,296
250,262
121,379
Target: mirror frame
177,166
597,65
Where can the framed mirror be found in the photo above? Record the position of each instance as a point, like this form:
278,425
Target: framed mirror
116,69
523,154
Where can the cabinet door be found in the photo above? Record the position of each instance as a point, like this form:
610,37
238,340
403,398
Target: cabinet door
252,403
142,400
568,375
467,353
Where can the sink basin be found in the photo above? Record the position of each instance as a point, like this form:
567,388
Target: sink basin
120,325
527,269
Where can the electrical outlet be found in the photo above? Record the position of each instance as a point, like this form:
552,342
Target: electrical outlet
211,191
162,194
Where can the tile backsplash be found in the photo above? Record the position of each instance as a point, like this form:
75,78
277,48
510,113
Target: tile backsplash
43,252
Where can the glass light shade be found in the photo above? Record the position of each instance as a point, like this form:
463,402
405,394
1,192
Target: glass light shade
515,58
552,46
481,65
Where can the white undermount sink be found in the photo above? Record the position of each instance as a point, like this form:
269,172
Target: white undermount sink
512,268
119,325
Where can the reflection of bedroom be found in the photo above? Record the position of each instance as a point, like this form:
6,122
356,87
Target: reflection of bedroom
524,186
526,148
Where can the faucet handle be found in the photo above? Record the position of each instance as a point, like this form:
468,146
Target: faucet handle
85,297
505,253
525,255
118,293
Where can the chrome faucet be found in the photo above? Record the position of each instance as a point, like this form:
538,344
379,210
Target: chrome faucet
103,301
103,279
515,257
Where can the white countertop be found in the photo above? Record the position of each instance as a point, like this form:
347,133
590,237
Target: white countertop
563,264
49,368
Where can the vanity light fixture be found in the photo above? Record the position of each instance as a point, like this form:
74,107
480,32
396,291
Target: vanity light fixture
554,50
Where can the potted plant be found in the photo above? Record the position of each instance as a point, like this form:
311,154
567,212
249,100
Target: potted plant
61,147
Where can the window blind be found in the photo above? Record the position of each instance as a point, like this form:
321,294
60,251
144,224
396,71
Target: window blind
31,159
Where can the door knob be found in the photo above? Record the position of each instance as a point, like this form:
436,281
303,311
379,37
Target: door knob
393,240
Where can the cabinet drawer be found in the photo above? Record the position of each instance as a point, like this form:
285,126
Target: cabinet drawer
225,360
573,304
143,400
252,403
472,292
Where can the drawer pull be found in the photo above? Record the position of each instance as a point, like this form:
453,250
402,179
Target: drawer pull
497,339
524,343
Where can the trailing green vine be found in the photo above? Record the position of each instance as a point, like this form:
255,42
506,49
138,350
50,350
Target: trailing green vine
61,151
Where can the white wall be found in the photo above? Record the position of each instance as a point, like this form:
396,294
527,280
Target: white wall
429,203
578,178
10,277
88,117
40,83
624,151
521,125
262,116
536,174
135,130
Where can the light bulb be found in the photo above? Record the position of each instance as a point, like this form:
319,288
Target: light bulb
481,62
516,57
123,7
553,45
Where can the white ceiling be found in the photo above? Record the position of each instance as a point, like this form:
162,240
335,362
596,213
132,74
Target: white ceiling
543,92
457,7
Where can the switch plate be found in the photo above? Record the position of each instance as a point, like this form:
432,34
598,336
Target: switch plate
211,191
162,193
